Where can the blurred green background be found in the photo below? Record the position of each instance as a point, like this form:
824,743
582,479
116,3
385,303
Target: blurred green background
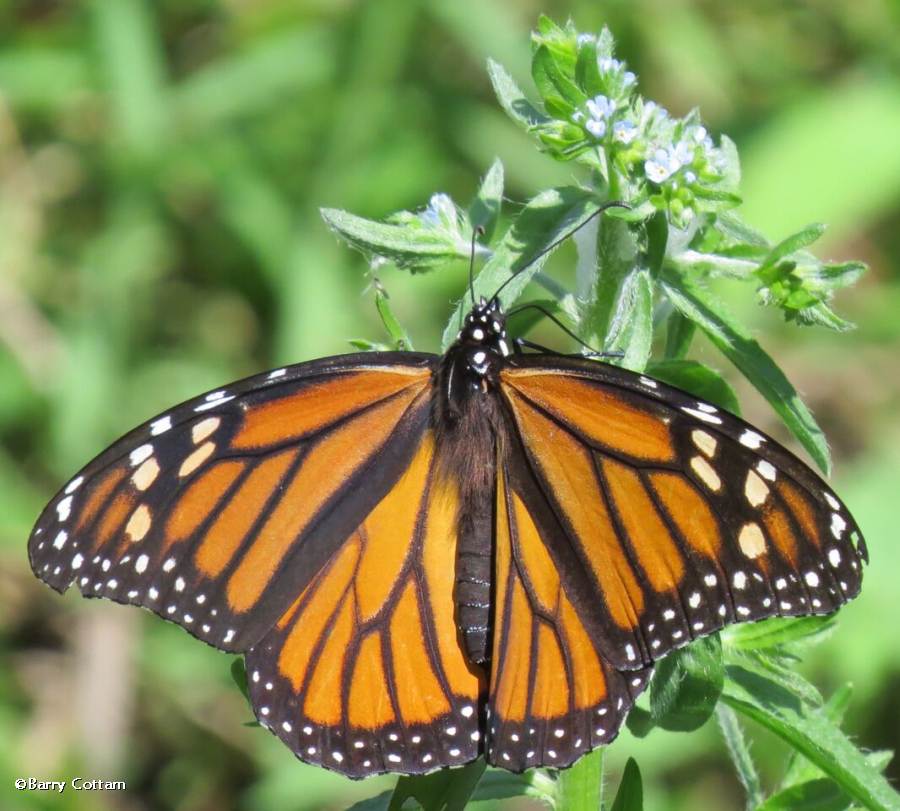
161,168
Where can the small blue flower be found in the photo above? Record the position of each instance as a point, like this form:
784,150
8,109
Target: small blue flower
601,107
624,131
661,166
606,64
585,39
596,127
683,153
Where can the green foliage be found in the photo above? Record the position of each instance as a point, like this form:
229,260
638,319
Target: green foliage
642,272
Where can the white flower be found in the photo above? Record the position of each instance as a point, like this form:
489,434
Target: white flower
607,63
585,39
664,163
596,127
601,107
624,131
683,153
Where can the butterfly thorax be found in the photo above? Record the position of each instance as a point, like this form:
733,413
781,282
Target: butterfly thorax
467,419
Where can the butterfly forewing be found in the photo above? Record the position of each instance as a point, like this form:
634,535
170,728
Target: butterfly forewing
684,517
212,513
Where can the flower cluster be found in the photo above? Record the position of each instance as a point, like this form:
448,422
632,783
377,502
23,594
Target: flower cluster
598,117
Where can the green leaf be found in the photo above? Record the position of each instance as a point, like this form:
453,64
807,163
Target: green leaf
559,93
499,784
580,787
639,722
777,631
687,684
657,238
799,769
631,327
604,268
380,802
239,677
485,208
679,334
739,751
393,326
587,68
811,733
698,379
736,343
547,218
814,795
444,790
512,99
792,244
630,796
406,245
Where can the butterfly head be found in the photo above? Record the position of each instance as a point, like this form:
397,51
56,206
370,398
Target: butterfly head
483,336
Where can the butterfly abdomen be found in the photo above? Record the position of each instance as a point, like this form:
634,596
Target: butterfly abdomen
468,425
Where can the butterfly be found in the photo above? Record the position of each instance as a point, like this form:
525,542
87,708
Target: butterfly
427,559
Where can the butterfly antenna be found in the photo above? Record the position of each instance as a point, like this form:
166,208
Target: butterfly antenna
563,238
476,232
565,329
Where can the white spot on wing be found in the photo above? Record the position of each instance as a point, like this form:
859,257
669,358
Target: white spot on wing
702,415
73,485
160,426
64,508
751,439
140,454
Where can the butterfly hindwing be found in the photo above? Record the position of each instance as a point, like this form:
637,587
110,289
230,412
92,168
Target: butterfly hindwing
364,672
212,513
683,517
553,695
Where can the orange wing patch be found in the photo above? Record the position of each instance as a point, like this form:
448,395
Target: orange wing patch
364,673
570,467
553,697
320,405
623,427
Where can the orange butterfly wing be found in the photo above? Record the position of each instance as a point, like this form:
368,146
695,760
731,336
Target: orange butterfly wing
213,514
681,517
553,695
364,673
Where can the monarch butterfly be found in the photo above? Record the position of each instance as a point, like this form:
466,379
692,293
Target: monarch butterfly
425,559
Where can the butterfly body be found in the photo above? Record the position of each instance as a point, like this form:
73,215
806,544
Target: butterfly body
425,559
